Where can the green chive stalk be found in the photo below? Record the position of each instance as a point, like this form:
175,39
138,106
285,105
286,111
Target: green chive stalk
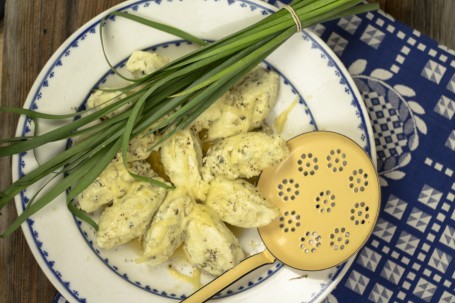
163,102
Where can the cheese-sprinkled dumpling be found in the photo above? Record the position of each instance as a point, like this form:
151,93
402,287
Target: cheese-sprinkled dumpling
142,63
181,156
209,244
139,64
240,203
112,184
244,156
167,230
243,108
211,114
100,99
129,217
139,146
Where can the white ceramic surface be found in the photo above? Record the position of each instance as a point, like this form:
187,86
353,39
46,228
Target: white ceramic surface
328,100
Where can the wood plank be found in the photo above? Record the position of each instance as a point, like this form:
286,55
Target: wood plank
33,31
434,18
20,270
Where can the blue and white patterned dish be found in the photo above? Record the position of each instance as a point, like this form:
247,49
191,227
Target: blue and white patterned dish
310,72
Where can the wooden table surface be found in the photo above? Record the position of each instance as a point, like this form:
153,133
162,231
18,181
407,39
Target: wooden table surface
33,30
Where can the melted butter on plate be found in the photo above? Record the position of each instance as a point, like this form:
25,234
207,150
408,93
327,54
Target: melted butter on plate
192,276
281,119
194,279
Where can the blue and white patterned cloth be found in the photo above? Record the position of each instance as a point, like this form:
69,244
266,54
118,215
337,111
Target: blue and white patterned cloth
408,83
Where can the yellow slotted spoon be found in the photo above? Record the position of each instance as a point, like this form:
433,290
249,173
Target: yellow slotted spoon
328,194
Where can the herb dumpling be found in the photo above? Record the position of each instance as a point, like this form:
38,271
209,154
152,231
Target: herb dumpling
112,184
139,146
209,243
129,217
243,156
139,64
243,108
167,230
181,156
142,63
99,99
240,203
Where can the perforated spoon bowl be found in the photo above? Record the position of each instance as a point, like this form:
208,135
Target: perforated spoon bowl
328,195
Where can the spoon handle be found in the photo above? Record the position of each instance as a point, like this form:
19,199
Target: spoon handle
230,276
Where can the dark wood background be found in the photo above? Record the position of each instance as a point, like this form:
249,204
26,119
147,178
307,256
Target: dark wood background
33,30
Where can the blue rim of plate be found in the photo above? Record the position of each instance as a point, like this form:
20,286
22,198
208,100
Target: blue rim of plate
92,29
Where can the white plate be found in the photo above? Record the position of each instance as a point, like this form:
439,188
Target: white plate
63,247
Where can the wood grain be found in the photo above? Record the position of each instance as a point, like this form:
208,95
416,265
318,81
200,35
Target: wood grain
35,29
434,18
